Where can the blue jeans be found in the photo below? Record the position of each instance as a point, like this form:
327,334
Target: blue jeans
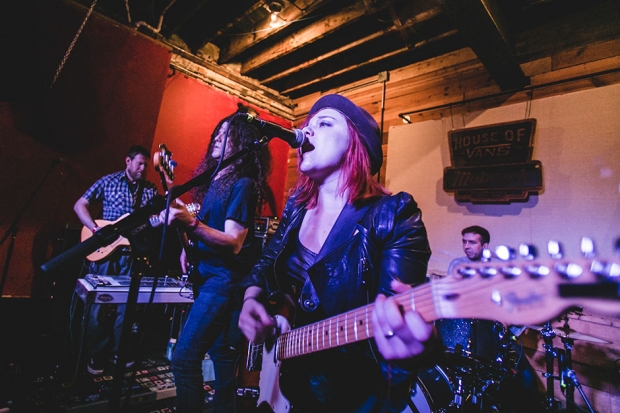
105,325
206,330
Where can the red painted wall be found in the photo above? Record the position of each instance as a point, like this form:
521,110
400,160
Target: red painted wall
190,110
113,92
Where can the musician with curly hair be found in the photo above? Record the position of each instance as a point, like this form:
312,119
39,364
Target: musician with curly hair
222,254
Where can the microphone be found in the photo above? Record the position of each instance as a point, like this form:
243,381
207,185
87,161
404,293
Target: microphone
294,137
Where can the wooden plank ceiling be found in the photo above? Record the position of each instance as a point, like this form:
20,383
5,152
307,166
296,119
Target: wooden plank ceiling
319,45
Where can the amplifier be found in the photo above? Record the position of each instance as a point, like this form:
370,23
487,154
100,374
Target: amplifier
266,225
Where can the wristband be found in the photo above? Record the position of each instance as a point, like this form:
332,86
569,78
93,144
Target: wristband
194,225
95,228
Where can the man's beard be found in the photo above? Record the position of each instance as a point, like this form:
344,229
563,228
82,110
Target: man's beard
136,176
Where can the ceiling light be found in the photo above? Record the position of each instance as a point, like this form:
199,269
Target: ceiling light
275,7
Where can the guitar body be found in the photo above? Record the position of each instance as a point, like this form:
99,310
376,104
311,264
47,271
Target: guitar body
269,382
103,252
258,378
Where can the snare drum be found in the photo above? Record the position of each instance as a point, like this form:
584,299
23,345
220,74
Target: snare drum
472,340
432,392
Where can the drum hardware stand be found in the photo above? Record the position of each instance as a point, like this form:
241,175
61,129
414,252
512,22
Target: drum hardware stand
550,404
568,379
484,388
570,374
458,393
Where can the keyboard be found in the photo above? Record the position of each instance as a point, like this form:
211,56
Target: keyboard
105,289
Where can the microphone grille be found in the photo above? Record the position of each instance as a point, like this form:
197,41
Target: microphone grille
300,138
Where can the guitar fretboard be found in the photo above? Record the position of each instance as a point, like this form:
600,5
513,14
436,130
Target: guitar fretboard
349,327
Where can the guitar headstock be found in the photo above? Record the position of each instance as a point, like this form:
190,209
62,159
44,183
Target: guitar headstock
193,208
163,163
528,290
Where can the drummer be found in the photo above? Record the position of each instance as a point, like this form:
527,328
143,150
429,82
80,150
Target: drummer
519,389
475,240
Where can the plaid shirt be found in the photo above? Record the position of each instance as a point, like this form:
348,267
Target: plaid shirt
114,192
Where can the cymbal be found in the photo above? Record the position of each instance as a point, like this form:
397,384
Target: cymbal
564,332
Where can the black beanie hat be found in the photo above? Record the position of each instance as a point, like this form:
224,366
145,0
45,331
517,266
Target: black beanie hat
366,126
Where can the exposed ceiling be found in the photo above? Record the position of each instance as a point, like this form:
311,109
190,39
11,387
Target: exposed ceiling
322,44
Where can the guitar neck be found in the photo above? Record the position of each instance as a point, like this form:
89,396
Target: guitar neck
349,327
527,292
192,208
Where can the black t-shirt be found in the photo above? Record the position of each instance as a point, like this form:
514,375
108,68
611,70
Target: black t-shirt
220,270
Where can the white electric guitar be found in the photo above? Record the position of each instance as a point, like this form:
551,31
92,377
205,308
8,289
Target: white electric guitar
512,292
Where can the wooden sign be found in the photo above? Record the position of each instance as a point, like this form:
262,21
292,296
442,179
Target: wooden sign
493,163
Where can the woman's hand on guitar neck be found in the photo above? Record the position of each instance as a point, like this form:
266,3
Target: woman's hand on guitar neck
399,334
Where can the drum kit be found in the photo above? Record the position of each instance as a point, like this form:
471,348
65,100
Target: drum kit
481,356
478,357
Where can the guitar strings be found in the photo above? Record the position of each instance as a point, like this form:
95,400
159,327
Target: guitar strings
355,325
348,327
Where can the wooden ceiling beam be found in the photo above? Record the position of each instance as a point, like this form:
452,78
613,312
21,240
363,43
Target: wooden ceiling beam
262,31
311,62
310,34
483,26
398,24
230,25
374,60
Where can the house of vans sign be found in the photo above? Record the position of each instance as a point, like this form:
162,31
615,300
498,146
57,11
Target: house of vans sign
493,163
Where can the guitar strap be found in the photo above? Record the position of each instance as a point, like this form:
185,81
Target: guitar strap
137,201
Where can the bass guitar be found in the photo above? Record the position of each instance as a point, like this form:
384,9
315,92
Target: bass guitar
517,293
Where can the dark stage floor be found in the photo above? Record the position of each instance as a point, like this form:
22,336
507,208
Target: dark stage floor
39,347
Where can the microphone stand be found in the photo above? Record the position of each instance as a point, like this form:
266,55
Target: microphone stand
13,228
130,227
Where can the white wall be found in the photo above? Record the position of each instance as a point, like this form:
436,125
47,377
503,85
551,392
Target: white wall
577,139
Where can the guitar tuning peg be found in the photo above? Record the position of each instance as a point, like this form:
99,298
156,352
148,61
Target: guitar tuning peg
529,252
568,270
505,253
605,269
587,247
555,250
466,272
487,254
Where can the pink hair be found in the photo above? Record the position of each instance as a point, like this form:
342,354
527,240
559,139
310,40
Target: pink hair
356,172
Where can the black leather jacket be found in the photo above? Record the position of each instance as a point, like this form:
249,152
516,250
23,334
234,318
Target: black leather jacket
370,245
